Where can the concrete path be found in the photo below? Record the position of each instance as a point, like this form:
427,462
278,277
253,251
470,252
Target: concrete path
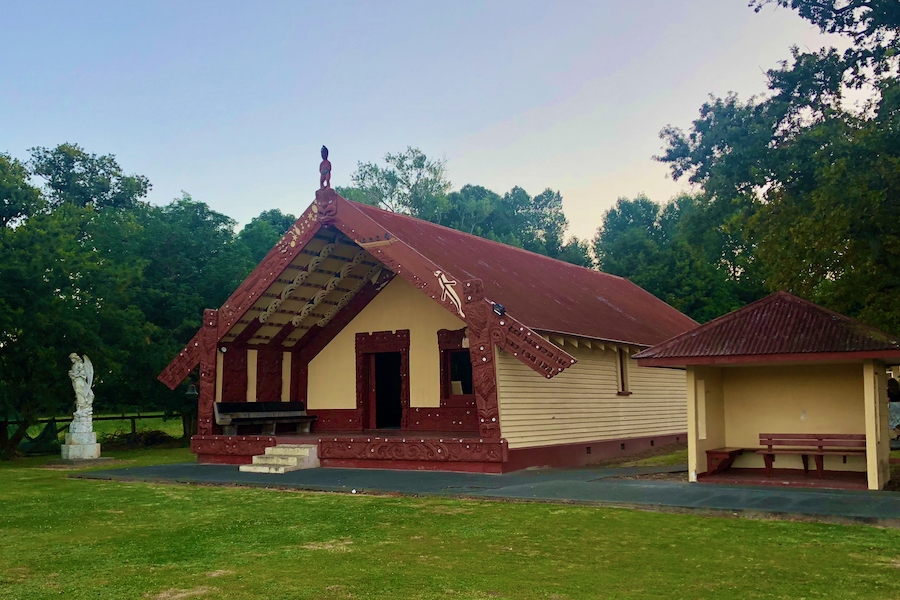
592,486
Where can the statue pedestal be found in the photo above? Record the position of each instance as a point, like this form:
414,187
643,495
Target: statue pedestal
81,446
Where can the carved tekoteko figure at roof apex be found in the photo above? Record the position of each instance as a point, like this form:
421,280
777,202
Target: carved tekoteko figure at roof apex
324,170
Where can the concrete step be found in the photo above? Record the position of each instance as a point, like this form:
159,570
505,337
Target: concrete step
265,469
284,458
276,460
290,450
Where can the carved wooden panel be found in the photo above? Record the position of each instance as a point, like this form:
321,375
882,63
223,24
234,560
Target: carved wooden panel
208,339
481,351
182,365
234,376
336,420
451,339
463,419
415,449
268,374
382,341
231,445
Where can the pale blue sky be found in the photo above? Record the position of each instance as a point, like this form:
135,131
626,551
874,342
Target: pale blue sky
230,101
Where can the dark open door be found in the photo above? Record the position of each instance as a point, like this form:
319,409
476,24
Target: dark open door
388,407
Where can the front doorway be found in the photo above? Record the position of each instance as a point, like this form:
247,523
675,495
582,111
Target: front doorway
382,379
385,391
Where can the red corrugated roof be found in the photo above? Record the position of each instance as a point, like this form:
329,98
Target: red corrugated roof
781,324
543,293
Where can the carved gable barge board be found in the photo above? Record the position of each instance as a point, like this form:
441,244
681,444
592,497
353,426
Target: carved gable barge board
186,361
272,266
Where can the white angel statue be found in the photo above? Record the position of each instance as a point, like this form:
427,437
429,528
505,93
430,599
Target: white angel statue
82,376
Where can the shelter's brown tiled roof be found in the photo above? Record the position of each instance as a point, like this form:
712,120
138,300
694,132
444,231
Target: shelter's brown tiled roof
544,293
781,326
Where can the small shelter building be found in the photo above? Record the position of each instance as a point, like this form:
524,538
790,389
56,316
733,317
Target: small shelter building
779,382
411,345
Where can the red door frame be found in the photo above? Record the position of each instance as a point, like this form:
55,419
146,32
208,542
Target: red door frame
367,345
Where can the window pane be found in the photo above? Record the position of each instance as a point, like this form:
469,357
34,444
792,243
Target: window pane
460,373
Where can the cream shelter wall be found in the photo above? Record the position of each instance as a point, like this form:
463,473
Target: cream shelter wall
793,399
332,374
706,416
581,403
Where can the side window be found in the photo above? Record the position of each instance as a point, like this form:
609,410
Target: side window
622,371
457,373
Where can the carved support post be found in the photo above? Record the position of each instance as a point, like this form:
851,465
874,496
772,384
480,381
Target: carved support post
208,338
481,349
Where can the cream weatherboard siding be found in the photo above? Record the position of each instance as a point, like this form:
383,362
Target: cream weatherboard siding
581,403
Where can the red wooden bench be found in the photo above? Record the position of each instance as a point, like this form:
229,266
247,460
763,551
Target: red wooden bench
720,459
817,445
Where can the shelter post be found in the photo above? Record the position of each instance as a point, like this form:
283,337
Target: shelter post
877,438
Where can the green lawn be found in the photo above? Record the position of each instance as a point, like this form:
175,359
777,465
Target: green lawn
75,539
172,426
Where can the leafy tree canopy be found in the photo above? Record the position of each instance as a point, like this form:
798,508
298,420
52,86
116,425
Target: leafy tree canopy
264,231
72,175
18,198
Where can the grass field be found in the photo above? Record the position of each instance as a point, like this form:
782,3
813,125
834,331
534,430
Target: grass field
76,539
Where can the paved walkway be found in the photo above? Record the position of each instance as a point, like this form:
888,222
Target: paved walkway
593,486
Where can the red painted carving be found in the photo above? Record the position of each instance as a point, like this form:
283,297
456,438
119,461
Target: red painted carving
383,341
208,339
231,445
530,348
463,419
234,376
481,350
451,340
416,449
268,374
186,361
326,205
336,420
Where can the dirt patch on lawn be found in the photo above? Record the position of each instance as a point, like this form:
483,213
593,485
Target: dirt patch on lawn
182,594
338,545
651,453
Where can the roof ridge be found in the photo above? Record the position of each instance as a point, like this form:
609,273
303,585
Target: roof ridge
813,311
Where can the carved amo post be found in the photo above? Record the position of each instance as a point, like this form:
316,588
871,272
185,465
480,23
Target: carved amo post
208,338
481,349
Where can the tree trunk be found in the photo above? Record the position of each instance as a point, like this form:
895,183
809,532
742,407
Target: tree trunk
9,446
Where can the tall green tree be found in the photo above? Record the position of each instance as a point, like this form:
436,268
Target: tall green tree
58,296
264,231
673,252
18,198
807,181
410,183
74,176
